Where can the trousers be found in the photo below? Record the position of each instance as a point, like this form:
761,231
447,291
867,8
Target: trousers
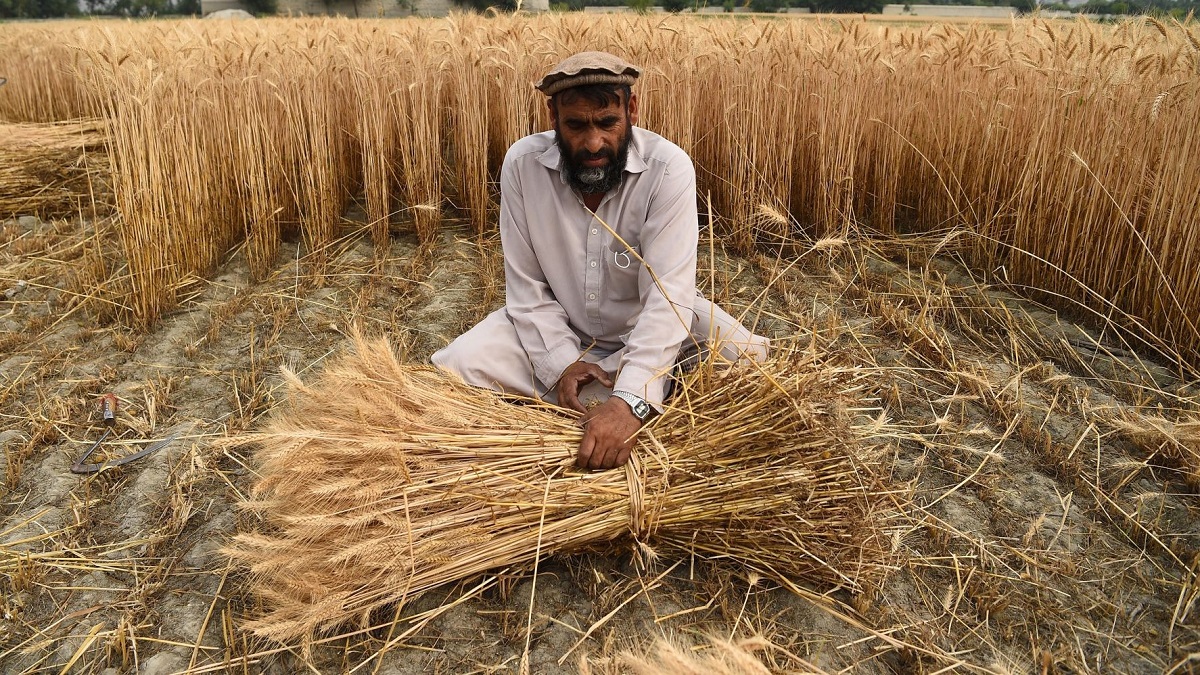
490,355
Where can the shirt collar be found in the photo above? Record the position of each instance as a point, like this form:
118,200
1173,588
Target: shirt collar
634,163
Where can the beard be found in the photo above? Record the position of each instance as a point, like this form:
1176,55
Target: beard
593,179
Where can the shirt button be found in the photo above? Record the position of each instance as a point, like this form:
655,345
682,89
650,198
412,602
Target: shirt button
592,296
593,263
595,231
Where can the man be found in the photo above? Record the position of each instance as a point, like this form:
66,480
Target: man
599,229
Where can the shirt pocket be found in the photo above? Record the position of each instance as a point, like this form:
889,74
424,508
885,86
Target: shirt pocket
621,268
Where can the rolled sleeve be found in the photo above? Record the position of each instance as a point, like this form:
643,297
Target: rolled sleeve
666,283
541,322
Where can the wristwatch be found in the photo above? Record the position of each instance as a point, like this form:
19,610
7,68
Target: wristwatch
640,408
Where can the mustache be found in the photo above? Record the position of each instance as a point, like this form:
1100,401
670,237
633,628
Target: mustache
584,155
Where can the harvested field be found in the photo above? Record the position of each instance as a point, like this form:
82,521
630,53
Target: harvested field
1053,516
1045,472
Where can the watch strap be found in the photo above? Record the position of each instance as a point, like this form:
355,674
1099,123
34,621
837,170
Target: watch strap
639,406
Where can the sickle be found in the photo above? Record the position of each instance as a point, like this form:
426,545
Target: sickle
80,467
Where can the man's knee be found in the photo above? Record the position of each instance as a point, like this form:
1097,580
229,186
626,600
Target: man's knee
756,348
742,348
489,355
447,358
463,358
726,335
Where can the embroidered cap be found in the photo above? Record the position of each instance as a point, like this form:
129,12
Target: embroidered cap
588,68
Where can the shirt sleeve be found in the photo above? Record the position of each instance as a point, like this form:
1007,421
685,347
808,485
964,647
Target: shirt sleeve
541,322
668,243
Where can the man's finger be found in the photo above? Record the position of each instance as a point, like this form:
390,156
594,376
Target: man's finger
603,457
571,400
568,395
612,458
595,372
623,455
599,373
570,382
596,458
586,446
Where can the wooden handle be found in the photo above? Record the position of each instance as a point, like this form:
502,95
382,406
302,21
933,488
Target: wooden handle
108,408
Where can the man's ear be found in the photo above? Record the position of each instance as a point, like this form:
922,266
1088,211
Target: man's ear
553,112
633,109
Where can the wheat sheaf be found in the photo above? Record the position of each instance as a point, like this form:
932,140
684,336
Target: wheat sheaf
381,480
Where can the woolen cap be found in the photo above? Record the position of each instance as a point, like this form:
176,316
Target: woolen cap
588,68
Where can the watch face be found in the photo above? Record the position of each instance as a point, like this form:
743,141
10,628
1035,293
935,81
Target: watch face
641,409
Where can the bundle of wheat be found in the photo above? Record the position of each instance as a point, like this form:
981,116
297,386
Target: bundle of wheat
382,480
44,168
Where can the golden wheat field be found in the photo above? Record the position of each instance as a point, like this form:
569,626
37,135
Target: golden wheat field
977,247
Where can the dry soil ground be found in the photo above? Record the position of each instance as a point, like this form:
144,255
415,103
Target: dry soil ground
1053,518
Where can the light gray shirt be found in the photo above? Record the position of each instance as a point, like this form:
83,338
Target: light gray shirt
570,282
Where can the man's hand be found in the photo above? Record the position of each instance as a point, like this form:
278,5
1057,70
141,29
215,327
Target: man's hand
608,435
574,378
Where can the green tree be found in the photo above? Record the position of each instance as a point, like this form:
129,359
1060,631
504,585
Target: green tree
848,6
36,9
135,8
261,7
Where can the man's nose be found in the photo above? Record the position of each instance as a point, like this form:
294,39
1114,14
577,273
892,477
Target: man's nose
593,142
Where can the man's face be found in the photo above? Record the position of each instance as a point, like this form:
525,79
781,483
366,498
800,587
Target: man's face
593,141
